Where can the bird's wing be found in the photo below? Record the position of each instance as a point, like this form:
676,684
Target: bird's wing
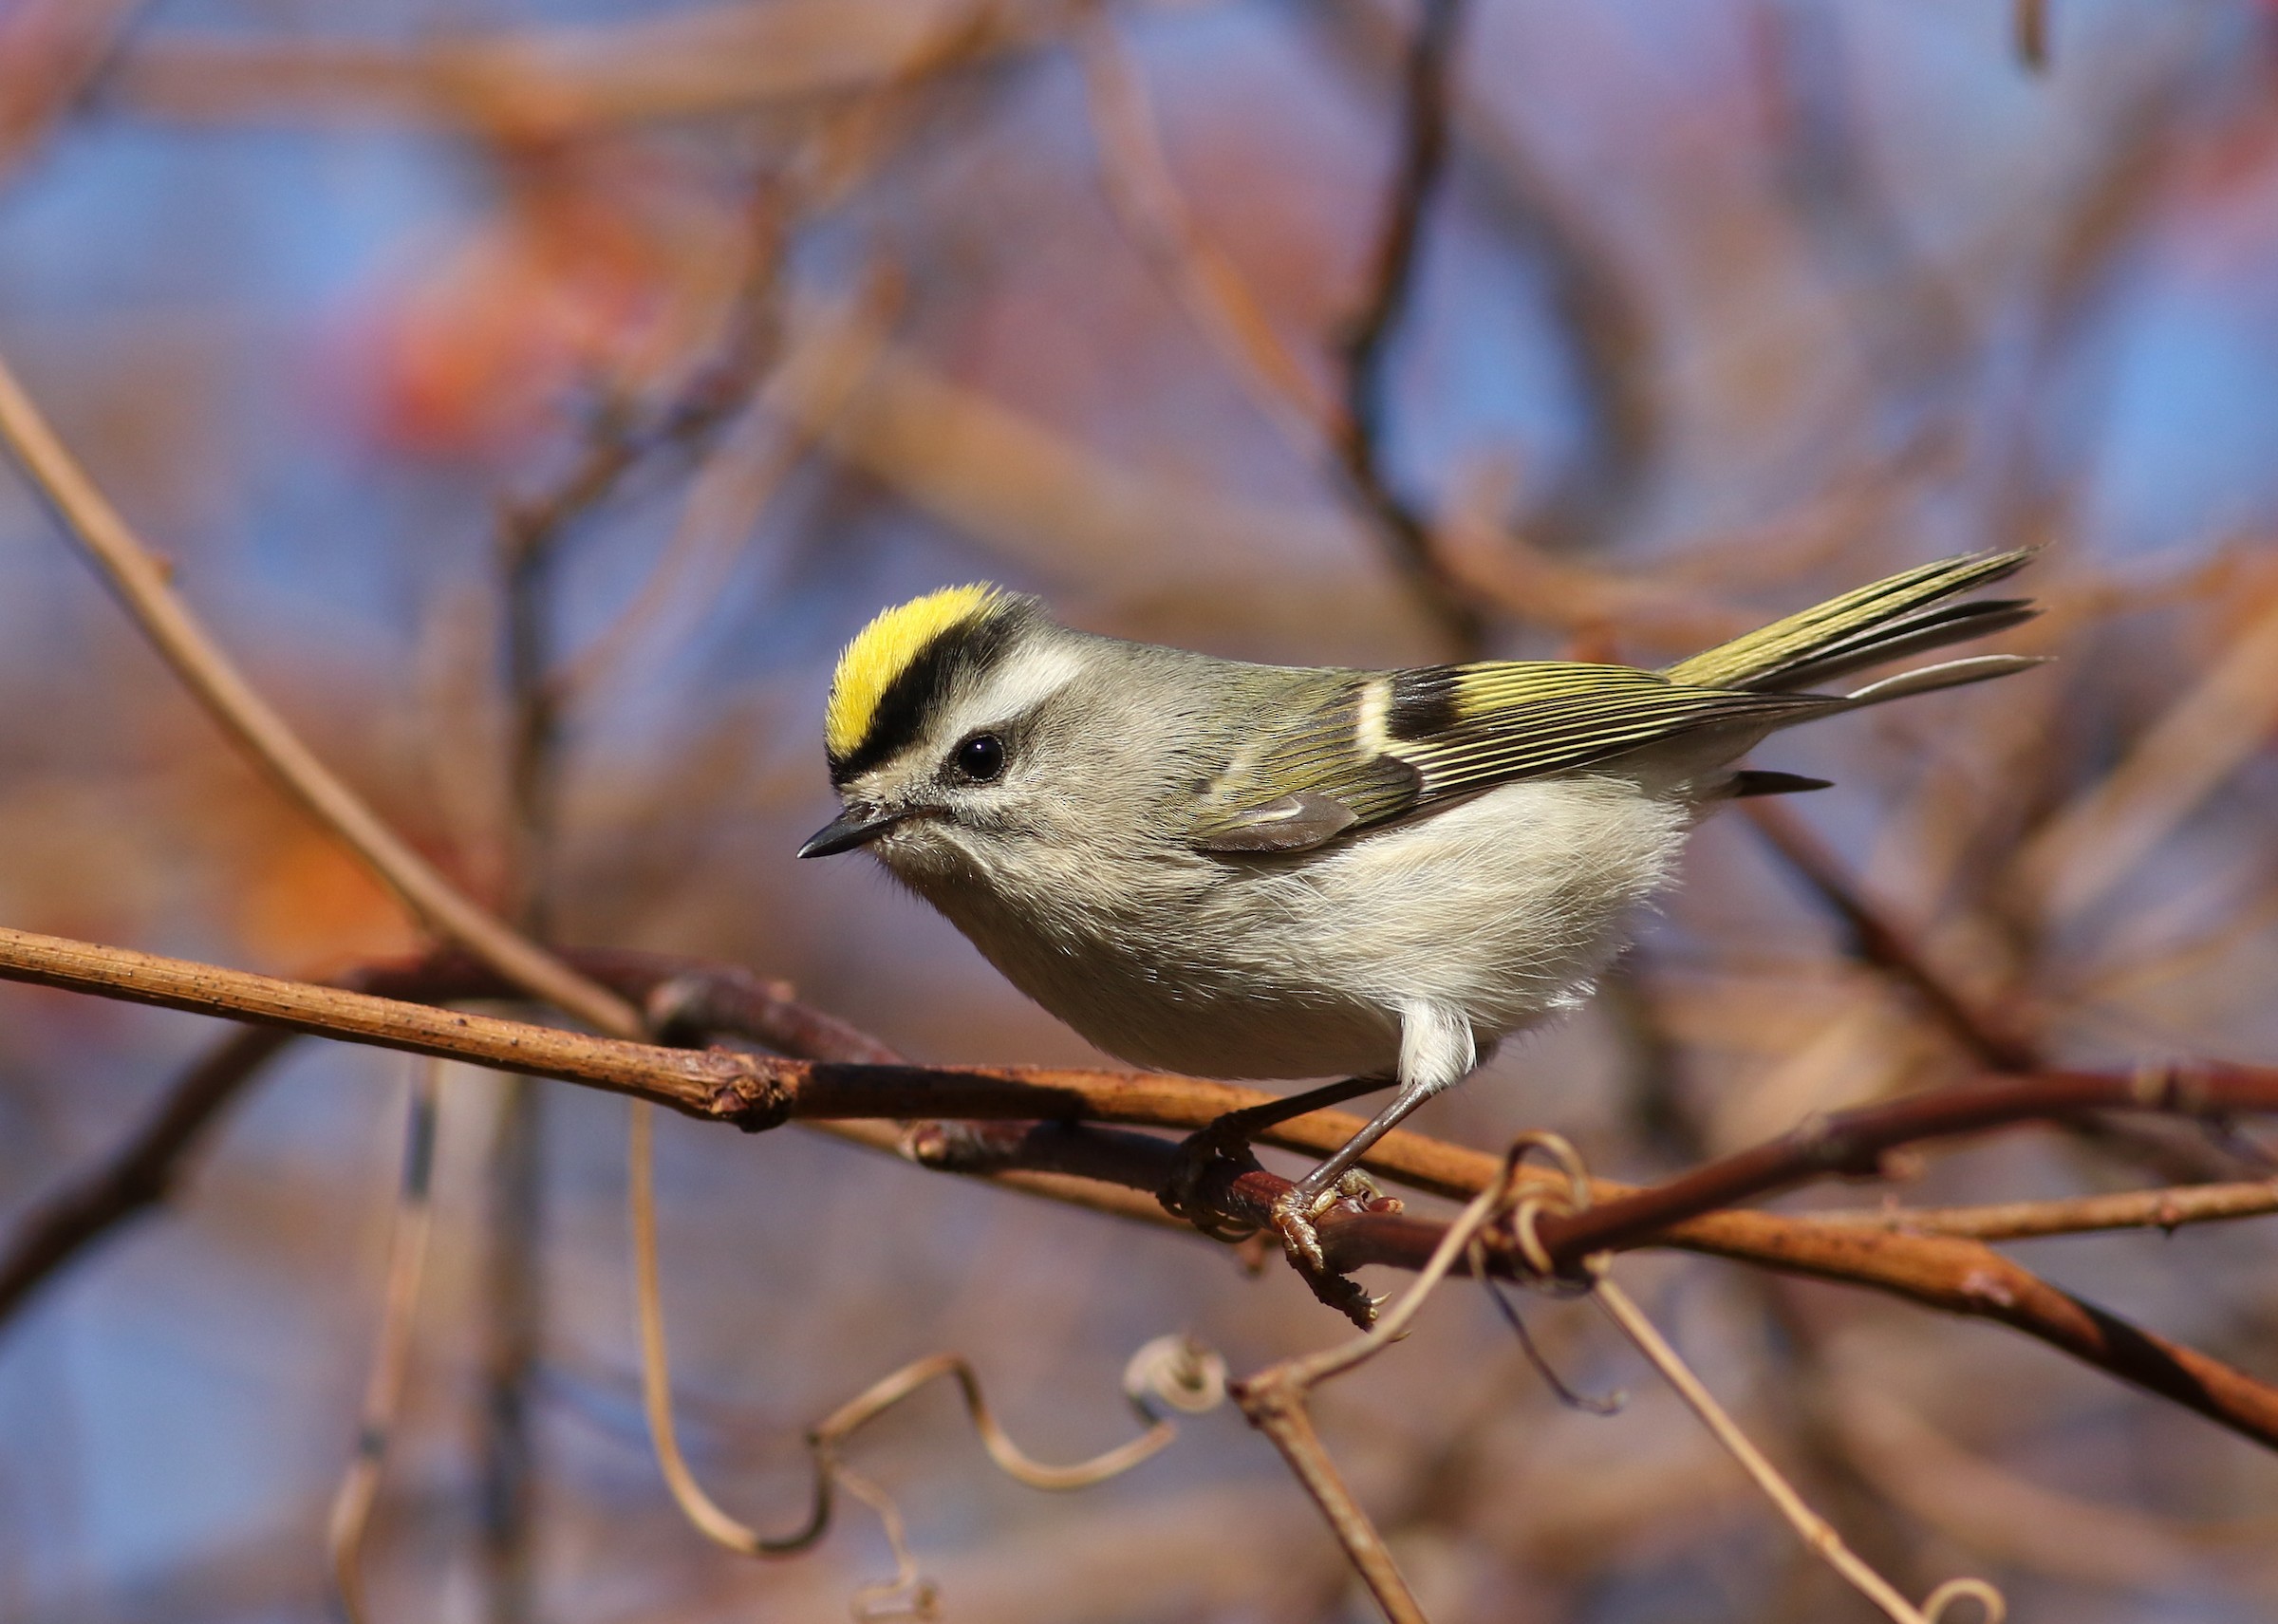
1385,745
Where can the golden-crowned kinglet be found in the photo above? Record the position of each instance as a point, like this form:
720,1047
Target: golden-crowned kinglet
1239,870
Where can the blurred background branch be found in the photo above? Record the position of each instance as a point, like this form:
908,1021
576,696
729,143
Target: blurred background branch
531,401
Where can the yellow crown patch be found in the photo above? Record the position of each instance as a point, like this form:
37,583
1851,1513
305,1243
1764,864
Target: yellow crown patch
882,651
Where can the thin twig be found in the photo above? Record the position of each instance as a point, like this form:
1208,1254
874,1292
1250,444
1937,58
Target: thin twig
727,501
1816,1532
1995,1038
2205,734
1854,1142
1218,299
1588,295
579,78
1170,1370
2004,1037
141,1175
705,998
142,584
384,1390
1368,341
2169,1209
627,436
1274,1400
656,1380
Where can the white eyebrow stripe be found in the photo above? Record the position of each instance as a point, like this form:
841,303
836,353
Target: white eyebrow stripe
1023,681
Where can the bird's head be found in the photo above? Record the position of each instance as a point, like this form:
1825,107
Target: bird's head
941,729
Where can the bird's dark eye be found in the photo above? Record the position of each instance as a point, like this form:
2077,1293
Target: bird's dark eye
980,757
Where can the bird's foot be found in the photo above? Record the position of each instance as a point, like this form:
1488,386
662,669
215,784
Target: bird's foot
1296,1213
1297,1209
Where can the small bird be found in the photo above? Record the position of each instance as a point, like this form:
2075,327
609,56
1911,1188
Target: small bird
1263,871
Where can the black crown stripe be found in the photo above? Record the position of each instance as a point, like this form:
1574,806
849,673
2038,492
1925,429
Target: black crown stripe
970,647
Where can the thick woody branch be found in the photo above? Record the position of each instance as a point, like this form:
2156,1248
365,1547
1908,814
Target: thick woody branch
711,1083
757,1092
1066,1156
683,998
1951,1273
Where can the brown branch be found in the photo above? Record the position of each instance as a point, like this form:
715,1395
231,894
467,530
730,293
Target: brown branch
144,587
1854,1142
1368,341
1425,97
1951,1275
1274,1398
1948,1274
147,1170
1063,1156
51,56
697,62
1217,301
1278,1410
759,1091
1995,1038
1592,305
2001,1037
628,437
413,1223
2169,1209
141,1175
702,1084
626,434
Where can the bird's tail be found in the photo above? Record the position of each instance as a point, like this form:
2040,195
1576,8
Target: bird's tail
1890,620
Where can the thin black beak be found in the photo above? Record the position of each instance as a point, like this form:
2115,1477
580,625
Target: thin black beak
849,829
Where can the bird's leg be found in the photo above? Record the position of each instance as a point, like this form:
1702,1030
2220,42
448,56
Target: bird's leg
1229,1138
1323,1188
1437,1050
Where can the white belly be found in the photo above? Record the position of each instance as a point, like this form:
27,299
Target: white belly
1503,909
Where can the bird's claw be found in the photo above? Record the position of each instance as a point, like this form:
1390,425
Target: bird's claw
1295,1213
1293,1217
1296,1210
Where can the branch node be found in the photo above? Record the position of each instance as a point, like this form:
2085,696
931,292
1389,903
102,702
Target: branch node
753,1098
956,1147
1984,1285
